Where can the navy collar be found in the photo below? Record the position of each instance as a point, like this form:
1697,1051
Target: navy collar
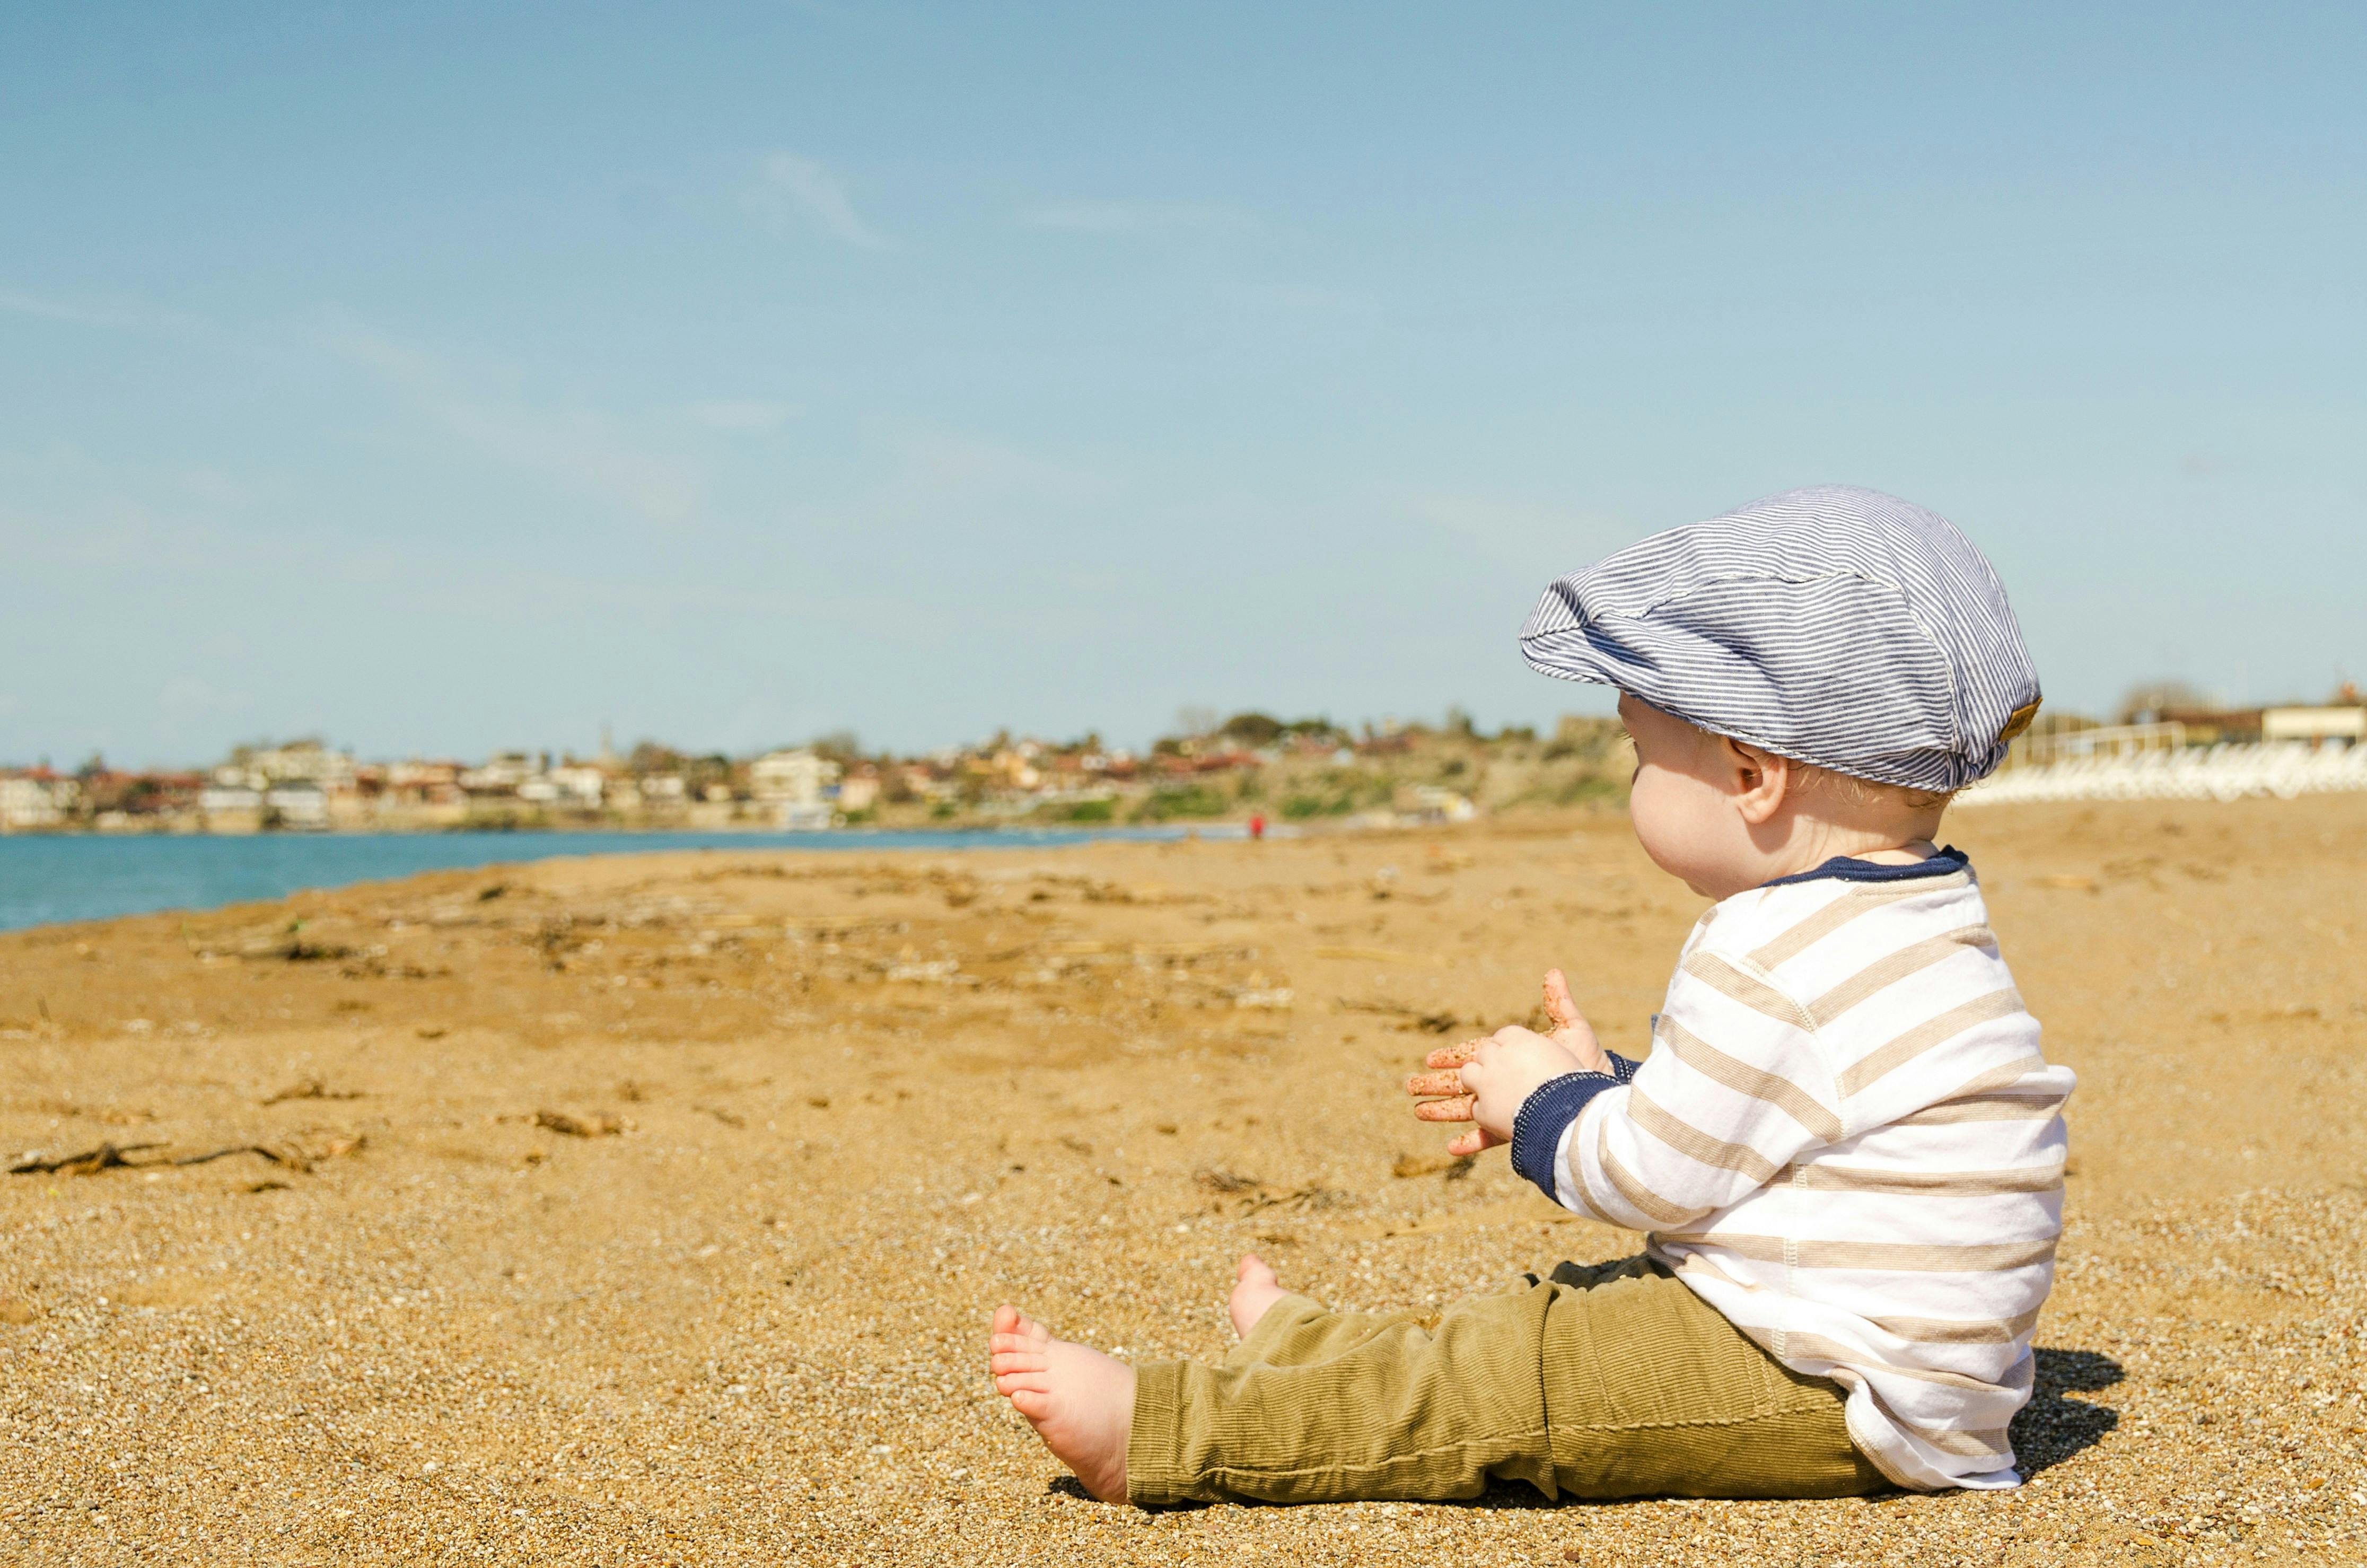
1847,869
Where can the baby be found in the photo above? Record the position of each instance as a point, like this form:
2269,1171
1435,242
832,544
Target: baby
1844,1149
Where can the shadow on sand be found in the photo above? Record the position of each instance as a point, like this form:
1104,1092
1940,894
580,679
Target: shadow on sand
2051,1428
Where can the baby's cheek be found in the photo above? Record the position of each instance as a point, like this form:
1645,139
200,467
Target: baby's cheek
1667,812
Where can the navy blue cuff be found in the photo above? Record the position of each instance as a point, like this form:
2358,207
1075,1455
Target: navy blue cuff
1621,1068
1546,1115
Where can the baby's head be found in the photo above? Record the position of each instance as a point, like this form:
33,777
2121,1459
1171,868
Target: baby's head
1723,815
1816,674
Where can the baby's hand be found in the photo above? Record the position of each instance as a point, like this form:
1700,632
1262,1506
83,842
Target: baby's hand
1502,1073
1488,1080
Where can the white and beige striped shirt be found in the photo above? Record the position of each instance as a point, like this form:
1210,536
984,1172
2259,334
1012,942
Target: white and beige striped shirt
1846,1140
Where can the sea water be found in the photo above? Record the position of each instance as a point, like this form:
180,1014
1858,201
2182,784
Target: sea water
52,878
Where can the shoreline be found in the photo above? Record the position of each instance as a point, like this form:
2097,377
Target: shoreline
49,879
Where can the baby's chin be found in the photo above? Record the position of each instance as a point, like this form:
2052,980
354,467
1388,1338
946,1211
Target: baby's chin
1706,884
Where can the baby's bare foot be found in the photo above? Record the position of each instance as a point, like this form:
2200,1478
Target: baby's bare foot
1258,1290
1080,1401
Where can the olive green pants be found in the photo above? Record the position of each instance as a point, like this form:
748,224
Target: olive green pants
1605,1380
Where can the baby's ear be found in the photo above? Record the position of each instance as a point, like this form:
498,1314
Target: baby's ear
1760,779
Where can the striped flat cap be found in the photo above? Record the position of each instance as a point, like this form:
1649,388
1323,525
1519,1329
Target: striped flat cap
1831,625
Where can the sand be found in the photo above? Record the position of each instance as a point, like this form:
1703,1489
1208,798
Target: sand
651,1210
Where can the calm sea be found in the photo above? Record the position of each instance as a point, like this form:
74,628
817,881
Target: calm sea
90,877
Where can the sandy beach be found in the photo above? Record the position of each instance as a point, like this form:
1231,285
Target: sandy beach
650,1210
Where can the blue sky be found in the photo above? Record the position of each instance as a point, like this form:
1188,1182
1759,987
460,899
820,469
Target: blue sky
440,378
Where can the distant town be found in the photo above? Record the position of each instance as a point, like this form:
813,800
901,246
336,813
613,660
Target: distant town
1249,765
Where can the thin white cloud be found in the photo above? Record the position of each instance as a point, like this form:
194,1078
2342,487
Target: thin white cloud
121,316
1135,219
744,414
789,185
583,451
18,302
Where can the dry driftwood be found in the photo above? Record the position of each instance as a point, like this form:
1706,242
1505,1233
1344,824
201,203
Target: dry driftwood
286,1157
312,1089
90,1162
595,1124
116,1156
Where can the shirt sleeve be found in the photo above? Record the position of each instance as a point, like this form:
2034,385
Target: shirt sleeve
1735,1088
1544,1121
1541,1130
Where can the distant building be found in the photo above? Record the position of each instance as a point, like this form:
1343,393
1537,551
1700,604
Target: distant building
231,807
2314,724
793,786
1015,767
298,761
2201,726
498,775
859,790
299,803
578,784
928,781
33,800
416,783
